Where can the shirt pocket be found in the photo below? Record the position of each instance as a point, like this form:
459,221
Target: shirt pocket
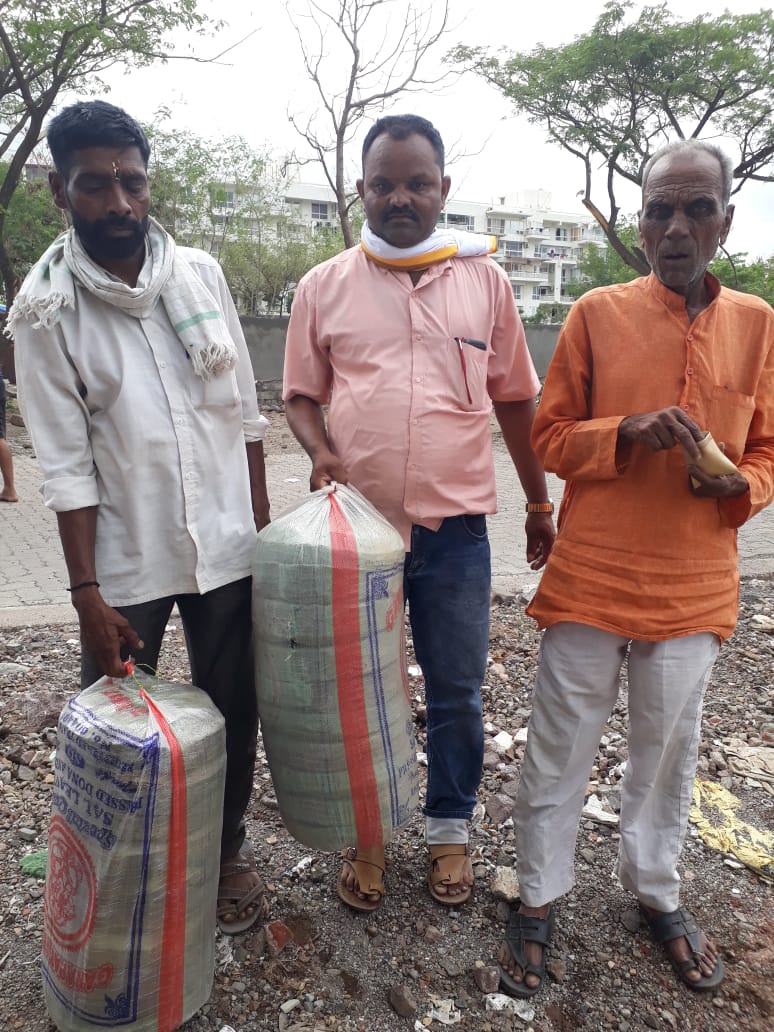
469,365
219,393
730,415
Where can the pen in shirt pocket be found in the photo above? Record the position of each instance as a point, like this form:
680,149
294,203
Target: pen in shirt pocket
473,343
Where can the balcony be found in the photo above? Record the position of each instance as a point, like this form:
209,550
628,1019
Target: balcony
555,254
527,276
536,231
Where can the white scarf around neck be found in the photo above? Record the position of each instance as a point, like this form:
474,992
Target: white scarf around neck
195,314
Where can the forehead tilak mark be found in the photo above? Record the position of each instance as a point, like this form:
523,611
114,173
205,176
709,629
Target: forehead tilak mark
116,166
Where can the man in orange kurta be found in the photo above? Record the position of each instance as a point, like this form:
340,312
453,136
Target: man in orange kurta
645,561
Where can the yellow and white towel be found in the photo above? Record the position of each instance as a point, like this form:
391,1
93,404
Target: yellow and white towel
440,245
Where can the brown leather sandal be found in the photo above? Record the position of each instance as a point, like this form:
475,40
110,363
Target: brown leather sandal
447,864
370,881
233,902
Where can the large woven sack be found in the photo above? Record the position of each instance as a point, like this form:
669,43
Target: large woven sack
330,663
133,857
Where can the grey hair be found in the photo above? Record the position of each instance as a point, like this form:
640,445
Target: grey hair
692,146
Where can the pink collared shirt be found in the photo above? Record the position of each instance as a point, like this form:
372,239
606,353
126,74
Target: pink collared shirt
410,406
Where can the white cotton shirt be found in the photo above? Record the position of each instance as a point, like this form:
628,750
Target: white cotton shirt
119,420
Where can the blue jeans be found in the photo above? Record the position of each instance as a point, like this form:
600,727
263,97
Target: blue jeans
446,583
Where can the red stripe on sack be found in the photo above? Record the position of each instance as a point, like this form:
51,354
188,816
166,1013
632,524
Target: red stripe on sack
170,1011
345,583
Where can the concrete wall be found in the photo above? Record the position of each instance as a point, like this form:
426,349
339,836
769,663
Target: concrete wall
266,344
541,341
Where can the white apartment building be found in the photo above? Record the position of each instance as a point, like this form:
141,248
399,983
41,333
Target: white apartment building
312,204
538,246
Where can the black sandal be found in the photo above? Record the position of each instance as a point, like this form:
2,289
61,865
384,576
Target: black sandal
522,929
679,924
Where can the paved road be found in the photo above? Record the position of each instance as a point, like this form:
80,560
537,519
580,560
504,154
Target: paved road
33,575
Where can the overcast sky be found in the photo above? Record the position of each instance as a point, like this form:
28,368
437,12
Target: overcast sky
251,92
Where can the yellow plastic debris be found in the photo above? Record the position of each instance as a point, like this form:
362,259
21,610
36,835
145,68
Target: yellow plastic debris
714,814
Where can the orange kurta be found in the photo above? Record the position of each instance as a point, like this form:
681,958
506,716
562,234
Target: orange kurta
637,553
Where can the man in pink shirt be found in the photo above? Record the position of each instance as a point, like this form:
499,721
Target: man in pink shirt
410,338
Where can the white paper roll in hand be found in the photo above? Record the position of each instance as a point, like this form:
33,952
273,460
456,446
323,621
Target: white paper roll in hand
711,459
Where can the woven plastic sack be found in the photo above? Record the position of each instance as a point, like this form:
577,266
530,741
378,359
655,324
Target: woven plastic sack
330,663
133,857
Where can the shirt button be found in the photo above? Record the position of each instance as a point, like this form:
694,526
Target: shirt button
689,338
417,379
189,476
162,365
689,371
180,421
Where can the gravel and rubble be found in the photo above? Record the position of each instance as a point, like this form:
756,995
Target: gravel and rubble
315,965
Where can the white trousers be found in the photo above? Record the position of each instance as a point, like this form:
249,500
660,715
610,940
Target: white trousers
575,690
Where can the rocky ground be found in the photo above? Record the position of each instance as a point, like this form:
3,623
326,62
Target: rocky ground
315,965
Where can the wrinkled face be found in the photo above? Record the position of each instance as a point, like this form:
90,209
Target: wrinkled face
683,219
106,193
402,189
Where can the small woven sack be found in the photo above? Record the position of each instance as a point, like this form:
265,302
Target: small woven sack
133,857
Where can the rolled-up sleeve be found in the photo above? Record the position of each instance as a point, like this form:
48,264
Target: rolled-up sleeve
56,417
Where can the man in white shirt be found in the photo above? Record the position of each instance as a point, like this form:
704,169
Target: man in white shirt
137,389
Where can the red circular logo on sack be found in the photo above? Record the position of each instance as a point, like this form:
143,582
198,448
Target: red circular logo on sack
71,888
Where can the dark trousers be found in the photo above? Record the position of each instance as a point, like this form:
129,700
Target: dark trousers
219,637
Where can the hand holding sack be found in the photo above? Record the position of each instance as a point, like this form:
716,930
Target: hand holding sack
330,664
133,857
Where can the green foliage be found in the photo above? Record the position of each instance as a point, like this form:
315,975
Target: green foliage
47,47
750,277
618,92
228,199
550,313
203,190
32,223
601,266
264,275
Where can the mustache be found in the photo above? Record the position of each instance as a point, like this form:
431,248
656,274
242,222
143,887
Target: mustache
406,213
118,223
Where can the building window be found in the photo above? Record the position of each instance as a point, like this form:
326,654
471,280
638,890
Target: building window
517,292
460,221
319,211
514,249
495,226
536,293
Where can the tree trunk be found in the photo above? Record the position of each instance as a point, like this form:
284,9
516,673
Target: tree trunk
633,259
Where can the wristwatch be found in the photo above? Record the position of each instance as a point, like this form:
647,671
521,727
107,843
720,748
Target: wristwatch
540,506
